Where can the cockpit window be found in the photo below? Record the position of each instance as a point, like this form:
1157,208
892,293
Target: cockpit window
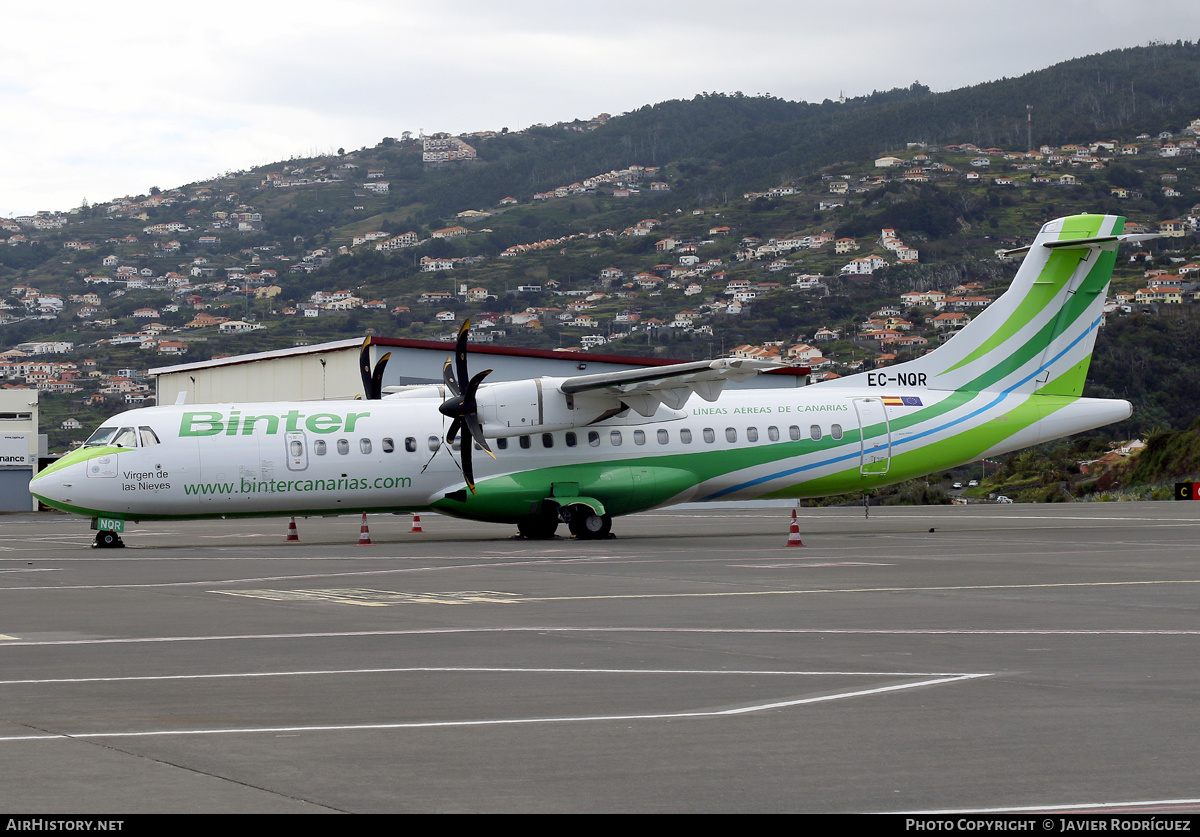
148,437
102,436
125,437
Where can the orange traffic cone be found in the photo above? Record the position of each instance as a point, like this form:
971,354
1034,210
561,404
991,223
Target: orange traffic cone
292,535
794,532
416,527
364,537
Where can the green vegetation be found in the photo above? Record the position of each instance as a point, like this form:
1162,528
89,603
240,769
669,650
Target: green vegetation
712,151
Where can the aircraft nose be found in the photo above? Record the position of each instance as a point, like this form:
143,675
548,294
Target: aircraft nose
55,483
45,487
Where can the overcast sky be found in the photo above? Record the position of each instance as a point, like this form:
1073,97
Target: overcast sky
104,99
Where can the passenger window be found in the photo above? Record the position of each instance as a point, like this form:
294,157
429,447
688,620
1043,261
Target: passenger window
456,445
433,442
343,447
525,442
751,434
836,431
773,433
730,434
502,443
639,437
710,435
547,440
296,448
663,437
410,444
364,445
593,438
571,440
319,447
794,433
814,432
685,436
615,438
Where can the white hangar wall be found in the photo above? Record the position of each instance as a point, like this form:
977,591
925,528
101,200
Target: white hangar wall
330,370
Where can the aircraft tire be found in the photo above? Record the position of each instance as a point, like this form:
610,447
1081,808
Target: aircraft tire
541,528
108,540
587,525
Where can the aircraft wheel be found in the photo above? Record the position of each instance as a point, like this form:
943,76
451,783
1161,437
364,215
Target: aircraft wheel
540,528
587,525
108,540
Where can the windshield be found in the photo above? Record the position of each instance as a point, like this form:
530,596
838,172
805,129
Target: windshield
124,437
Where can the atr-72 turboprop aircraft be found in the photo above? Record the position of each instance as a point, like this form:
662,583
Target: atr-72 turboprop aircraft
585,449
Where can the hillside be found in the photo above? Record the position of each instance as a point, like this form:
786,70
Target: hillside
717,225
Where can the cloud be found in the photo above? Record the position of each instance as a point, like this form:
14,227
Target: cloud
106,99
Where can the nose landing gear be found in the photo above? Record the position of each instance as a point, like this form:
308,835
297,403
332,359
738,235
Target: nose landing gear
107,540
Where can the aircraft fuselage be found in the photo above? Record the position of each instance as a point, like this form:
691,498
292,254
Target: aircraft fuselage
293,458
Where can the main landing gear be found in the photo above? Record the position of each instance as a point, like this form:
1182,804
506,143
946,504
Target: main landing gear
107,540
541,527
583,522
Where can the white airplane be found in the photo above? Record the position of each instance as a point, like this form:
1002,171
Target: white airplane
585,449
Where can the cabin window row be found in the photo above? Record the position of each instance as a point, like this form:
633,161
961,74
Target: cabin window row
662,436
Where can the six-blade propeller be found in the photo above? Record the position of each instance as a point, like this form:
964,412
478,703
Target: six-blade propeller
462,408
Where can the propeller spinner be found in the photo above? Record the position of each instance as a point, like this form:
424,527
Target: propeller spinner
462,408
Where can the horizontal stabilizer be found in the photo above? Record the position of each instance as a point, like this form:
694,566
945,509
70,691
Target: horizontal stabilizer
1084,243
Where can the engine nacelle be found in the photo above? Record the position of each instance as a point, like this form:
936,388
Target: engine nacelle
514,408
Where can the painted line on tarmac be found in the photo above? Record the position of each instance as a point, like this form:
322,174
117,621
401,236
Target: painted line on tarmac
623,596
483,670
1133,632
473,565
1083,807
655,716
1063,584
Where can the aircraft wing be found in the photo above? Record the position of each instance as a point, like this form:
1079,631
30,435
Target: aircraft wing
642,390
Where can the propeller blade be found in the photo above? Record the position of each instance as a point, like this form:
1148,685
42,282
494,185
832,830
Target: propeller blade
376,390
473,385
460,352
364,366
476,433
448,377
468,472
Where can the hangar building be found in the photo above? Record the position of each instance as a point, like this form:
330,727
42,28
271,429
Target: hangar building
330,370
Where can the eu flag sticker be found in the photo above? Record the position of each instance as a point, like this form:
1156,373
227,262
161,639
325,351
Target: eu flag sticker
901,401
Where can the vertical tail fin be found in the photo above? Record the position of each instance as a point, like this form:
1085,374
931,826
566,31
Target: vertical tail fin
1038,336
